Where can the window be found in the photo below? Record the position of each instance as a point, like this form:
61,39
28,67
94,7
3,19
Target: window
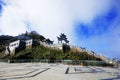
30,42
14,44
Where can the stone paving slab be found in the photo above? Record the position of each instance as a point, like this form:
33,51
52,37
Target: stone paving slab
45,71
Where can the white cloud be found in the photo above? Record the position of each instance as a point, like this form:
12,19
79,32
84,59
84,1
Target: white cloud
86,10
49,18
46,17
11,21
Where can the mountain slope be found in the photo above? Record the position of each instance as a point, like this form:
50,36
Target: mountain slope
41,52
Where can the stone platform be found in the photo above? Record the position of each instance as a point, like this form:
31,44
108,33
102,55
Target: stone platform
45,71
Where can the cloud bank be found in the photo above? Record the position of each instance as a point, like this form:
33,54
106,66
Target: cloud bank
52,17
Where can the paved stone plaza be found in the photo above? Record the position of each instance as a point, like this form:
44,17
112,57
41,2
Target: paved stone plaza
45,71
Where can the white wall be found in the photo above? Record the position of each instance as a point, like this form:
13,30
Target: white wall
29,42
12,46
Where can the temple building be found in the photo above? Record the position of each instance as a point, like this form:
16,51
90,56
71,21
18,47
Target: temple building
14,47
19,45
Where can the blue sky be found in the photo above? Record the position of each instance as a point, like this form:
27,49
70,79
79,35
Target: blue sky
100,25
93,24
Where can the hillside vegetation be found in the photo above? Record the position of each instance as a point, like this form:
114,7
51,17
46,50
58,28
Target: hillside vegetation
41,52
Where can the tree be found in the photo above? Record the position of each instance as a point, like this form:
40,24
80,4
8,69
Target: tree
62,37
